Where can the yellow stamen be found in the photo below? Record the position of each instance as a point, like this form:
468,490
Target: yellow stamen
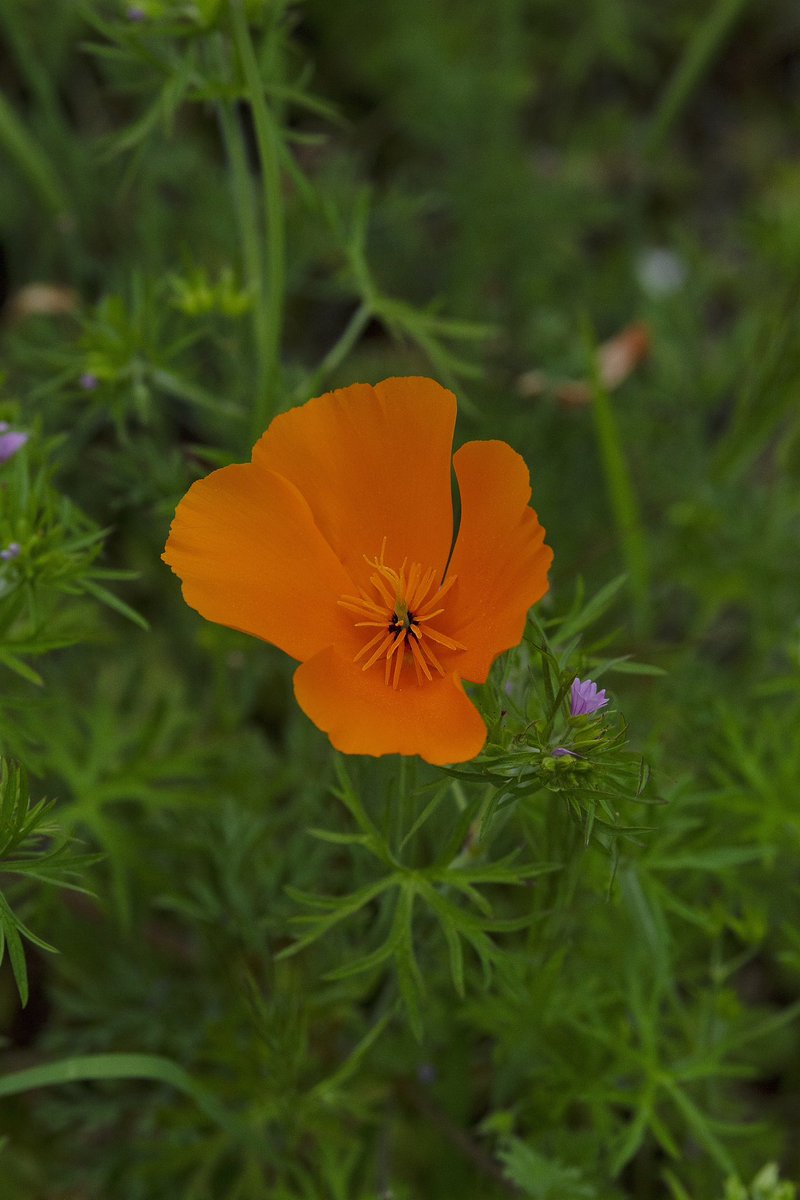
400,609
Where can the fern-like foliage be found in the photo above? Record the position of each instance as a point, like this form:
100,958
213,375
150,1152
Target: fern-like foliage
540,1177
32,847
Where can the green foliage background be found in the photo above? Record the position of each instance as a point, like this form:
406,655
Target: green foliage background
279,973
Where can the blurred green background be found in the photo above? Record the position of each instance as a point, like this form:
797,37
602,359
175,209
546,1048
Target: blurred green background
586,220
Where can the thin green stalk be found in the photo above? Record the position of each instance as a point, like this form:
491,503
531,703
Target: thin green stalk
697,59
119,1066
337,353
562,886
624,503
31,159
268,142
16,25
400,804
249,232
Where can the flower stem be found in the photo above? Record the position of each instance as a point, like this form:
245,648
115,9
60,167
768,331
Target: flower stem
623,499
268,143
400,805
249,234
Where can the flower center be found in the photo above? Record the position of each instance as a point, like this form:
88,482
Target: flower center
401,610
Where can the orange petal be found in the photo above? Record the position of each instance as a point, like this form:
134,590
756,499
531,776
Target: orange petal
499,557
362,715
245,545
373,463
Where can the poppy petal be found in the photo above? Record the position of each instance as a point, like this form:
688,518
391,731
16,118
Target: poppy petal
246,548
499,558
373,463
361,714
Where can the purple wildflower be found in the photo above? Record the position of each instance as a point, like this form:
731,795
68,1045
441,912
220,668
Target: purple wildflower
10,442
136,14
563,752
88,381
11,551
585,698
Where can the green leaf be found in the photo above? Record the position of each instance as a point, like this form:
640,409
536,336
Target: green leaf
340,908
583,616
19,667
9,936
349,797
120,1066
336,838
326,1089
108,598
542,1178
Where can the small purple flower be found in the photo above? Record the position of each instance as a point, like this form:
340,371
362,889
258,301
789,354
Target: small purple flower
88,381
585,698
11,551
136,14
10,442
563,752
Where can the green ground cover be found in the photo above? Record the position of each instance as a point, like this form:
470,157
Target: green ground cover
235,963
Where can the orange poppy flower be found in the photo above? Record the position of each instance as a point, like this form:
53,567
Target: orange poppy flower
335,543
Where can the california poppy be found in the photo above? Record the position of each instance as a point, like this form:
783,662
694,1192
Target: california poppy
335,543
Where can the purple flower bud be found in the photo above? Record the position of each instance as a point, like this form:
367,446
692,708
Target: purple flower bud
585,698
136,14
563,752
88,381
11,551
10,443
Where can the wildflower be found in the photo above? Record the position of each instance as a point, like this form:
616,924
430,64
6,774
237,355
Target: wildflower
335,543
12,550
586,699
88,381
563,752
10,442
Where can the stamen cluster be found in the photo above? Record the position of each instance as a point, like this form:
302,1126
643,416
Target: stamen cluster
406,604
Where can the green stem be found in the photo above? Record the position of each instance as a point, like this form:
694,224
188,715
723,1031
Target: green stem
337,353
696,61
123,1067
32,161
250,236
624,503
400,805
268,143
563,884
15,36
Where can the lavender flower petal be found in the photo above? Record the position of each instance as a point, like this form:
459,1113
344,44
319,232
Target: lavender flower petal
585,698
10,443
